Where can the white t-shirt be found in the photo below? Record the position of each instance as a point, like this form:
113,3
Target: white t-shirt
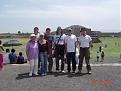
84,41
61,40
6,58
70,41
37,37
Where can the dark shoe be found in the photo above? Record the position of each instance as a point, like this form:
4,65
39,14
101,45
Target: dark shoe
79,72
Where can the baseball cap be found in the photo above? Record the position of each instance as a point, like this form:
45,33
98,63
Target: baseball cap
69,29
32,35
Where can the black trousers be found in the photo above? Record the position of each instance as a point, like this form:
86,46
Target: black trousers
84,53
71,57
59,56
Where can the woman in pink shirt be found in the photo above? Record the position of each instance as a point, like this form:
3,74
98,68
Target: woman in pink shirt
1,55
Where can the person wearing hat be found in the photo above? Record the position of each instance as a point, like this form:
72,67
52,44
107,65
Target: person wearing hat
50,40
85,42
59,48
43,54
32,55
70,45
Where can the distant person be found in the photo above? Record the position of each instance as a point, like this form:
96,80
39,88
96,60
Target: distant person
20,59
70,45
50,40
13,57
85,42
77,55
32,55
6,58
43,54
100,48
98,56
1,56
59,49
102,56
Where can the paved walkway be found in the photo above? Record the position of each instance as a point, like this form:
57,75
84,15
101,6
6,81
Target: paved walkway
104,77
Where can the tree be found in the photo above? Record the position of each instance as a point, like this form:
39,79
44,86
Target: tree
19,32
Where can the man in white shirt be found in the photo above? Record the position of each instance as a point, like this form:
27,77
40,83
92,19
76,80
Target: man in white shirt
37,36
36,32
85,44
70,45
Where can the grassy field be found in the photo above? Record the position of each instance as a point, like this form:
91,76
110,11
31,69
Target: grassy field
112,51
21,40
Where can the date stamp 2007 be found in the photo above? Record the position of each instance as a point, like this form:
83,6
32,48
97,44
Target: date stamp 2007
101,82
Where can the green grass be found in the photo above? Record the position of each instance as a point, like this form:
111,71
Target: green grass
111,52
113,49
21,40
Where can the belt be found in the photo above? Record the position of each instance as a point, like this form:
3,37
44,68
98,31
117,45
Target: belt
84,47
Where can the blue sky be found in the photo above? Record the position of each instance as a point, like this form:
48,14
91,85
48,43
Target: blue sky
24,15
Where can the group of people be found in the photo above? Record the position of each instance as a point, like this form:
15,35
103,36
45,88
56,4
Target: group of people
10,57
42,47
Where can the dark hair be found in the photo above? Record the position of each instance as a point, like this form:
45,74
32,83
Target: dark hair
58,29
13,50
7,50
48,29
36,28
83,29
0,42
20,53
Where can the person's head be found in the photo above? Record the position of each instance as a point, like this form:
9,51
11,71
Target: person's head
41,36
36,30
20,53
0,42
69,31
83,31
58,31
48,31
7,50
32,37
13,50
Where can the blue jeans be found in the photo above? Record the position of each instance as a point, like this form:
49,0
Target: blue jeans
44,59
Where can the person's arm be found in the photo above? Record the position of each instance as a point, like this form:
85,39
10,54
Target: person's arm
75,43
27,51
2,48
90,42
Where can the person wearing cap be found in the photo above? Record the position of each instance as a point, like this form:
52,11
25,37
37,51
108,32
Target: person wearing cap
36,32
70,45
85,42
59,48
32,55
50,40
43,54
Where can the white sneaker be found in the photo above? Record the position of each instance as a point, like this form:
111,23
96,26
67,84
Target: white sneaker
43,74
36,74
30,74
63,71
